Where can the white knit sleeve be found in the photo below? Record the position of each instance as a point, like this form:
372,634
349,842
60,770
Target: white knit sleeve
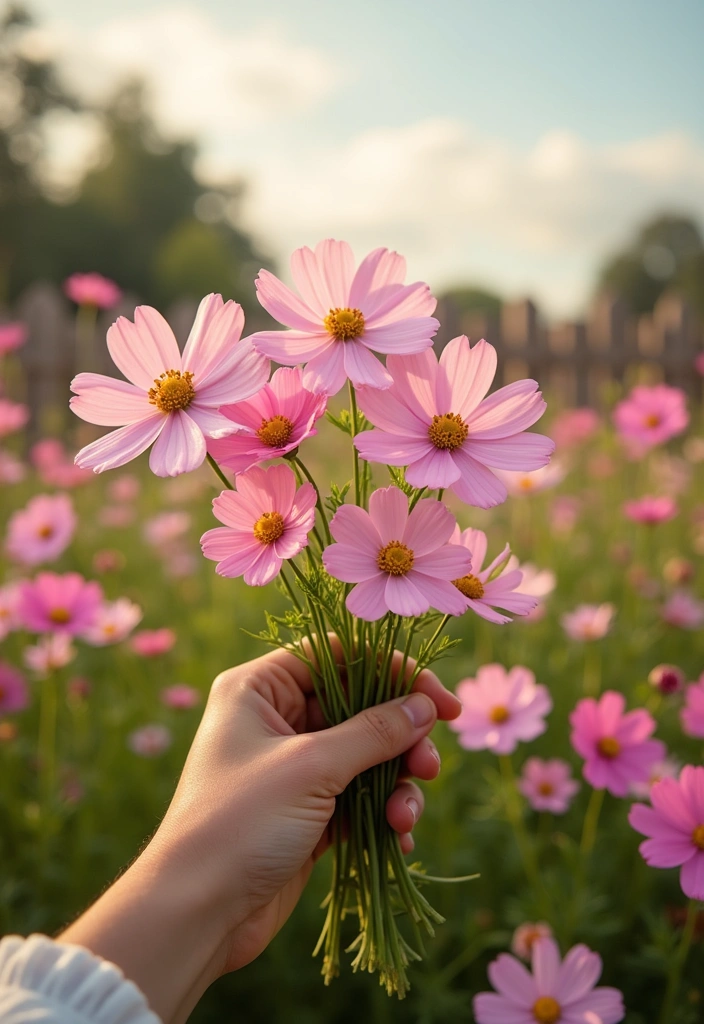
48,982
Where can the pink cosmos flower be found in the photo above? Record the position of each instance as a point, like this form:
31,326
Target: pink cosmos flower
651,415
42,530
59,604
12,469
616,746
170,399
108,560
9,609
675,827
166,527
179,563
563,512
124,489
526,934
401,562
343,315
50,653
92,290
14,695
683,610
556,991
435,420
666,678
54,466
537,583
522,484
13,416
692,714
574,426
150,643
12,336
651,510
113,623
588,621
548,785
266,521
180,696
273,422
500,709
117,517
150,740
482,591
665,769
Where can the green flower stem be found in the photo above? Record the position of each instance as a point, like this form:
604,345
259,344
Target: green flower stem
525,847
86,319
355,453
591,822
417,671
592,669
48,711
674,974
219,473
318,499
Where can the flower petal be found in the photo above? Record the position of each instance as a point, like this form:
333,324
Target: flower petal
107,401
578,974
237,511
477,484
390,449
144,349
492,1009
388,509
546,965
435,468
414,383
349,564
429,526
325,373
405,337
388,412
352,525
409,300
238,375
291,347
180,447
264,569
522,452
468,373
364,369
440,593
512,980
120,446
509,410
692,877
449,562
403,597
367,600
217,326
284,305
375,273
212,423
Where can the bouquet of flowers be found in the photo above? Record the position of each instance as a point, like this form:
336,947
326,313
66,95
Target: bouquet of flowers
373,573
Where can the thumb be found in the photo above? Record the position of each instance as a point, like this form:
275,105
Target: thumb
375,735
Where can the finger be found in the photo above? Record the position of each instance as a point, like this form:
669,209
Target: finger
404,807
448,705
422,760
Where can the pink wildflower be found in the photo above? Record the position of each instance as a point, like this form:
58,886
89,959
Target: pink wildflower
150,740
668,768
615,745
435,420
401,562
692,714
180,696
526,934
12,469
344,315
266,521
548,785
54,466
500,709
675,827
563,512
79,688
124,489
59,604
117,517
108,560
521,484
574,426
650,510
666,678
683,610
114,622
14,695
273,422
588,621
150,643
166,527
42,530
9,609
555,991
170,399
13,416
484,588
92,290
50,653
12,336
651,415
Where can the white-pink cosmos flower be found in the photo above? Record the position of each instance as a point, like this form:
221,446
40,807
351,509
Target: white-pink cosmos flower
401,562
49,653
501,709
168,398
114,622
436,420
343,315
482,589
588,621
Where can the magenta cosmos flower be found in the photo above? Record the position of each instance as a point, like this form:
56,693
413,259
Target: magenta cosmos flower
13,416
42,530
692,714
344,315
180,697
548,785
481,591
92,290
675,827
557,992
650,510
651,415
401,562
266,521
273,422
616,746
12,336
113,623
501,708
168,398
14,695
435,420
666,678
59,604
150,643
588,621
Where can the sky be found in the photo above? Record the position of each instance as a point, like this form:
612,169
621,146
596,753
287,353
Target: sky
507,144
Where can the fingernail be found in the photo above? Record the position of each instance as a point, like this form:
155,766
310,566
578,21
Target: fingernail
414,808
419,709
434,751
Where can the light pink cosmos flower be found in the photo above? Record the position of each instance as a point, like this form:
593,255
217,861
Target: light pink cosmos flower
651,415
616,747
666,678
49,653
168,398
266,521
54,466
12,469
42,530
13,416
59,604
401,562
526,934
150,643
14,695
435,420
114,622
675,827
574,426
124,489
683,610
150,740
117,517
556,991
501,709
92,290
344,315
484,588
166,527
180,696
563,512
548,785
274,422
523,484
9,609
651,510
692,714
12,336
666,769
588,621
537,583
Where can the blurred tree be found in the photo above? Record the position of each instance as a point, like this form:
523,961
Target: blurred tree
469,299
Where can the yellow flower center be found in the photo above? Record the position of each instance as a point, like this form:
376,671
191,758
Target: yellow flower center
60,616
653,420
269,527
44,532
608,747
172,391
275,432
547,1010
448,431
525,484
470,586
345,323
499,714
698,837
395,558
546,788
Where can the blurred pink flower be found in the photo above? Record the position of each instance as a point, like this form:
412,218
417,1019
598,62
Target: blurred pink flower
13,416
564,511
675,827
267,519
436,420
179,563
699,363
113,623
670,473
47,452
54,466
668,768
400,562
9,609
651,510
601,466
12,469
42,530
574,426
150,643
12,336
651,415
519,485
616,747
59,604
108,560
588,621
500,709
166,527
526,934
124,489
666,678
92,290
117,517
168,398
548,785
49,653
78,688
14,694
272,423
555,991
495,585
180,696
677,571
692,714
150,740
683,610
344,315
